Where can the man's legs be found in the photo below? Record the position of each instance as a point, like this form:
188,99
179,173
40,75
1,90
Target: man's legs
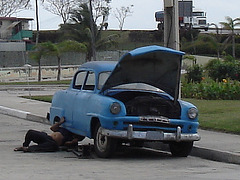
35,136
45,143
48,146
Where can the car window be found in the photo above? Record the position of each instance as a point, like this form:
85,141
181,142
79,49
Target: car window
138,86
79,80
102,78
90,81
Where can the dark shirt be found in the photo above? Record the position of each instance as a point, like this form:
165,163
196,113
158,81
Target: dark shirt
67,135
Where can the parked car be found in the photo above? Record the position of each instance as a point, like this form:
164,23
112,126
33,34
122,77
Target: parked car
130,101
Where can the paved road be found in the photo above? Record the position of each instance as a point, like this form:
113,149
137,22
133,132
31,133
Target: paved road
213,145
134,164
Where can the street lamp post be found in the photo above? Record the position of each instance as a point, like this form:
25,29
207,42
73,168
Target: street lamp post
28,67
217,37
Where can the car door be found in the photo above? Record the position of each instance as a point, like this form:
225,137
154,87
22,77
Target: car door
81,121
71,95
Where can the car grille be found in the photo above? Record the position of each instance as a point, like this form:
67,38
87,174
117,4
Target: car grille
153,124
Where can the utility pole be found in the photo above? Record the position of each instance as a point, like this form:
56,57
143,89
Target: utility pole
93,38
171,24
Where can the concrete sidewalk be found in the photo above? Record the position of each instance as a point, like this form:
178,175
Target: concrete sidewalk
213,145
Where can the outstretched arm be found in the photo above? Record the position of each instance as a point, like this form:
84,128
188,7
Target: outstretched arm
56,126
74,142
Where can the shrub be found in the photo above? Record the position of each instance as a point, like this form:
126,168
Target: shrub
145,36
218,70
211,90
189,34
194,73
200,47
237,50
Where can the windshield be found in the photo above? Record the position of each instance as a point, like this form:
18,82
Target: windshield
103,76
198,13
138,86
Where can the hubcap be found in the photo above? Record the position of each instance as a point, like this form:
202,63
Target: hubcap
101,141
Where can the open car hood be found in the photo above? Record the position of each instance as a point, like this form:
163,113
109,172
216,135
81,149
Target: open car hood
153,65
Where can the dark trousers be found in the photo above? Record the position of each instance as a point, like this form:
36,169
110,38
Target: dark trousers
44,142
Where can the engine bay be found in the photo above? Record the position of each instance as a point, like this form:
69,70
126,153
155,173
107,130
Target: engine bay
148,104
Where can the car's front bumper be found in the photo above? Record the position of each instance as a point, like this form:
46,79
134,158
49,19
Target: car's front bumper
150,135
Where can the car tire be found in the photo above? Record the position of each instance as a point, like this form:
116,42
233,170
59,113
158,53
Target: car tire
104,146
180,149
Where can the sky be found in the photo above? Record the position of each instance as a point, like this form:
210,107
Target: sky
142,17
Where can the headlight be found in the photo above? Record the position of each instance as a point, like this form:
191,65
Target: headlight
115,108
192,113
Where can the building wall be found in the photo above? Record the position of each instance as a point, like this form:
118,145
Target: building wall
10,46
12,65
31,74
20,58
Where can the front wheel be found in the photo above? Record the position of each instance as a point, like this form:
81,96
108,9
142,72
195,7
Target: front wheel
104,146
181,149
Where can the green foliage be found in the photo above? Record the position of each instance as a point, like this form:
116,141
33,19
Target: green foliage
51,49
189,34
194,73
218,70
71,46
199,47
53,36
228,50
41,50
146,36
211,90
82,30
44,98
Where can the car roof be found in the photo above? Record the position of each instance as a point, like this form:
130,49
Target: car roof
98,66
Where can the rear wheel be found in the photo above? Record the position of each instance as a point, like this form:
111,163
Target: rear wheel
181,149
104,146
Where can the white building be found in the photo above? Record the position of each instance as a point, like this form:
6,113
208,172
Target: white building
13,28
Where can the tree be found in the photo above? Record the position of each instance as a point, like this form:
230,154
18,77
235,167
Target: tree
9,7
41,50
50,49
67,46
83,27
121,15
230,25
216,40
61,8
100,10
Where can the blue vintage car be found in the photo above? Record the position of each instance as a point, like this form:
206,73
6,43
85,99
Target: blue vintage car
130,101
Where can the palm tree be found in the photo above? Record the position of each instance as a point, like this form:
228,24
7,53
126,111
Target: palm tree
82,29
41,50
79,28
49,49
230,25
67,46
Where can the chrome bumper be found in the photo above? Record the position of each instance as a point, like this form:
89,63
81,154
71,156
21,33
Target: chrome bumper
150,135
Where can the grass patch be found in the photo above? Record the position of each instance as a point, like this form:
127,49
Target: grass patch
46,98
220,115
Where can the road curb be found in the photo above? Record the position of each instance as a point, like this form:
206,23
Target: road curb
205,153
216,155
13,112
23,115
